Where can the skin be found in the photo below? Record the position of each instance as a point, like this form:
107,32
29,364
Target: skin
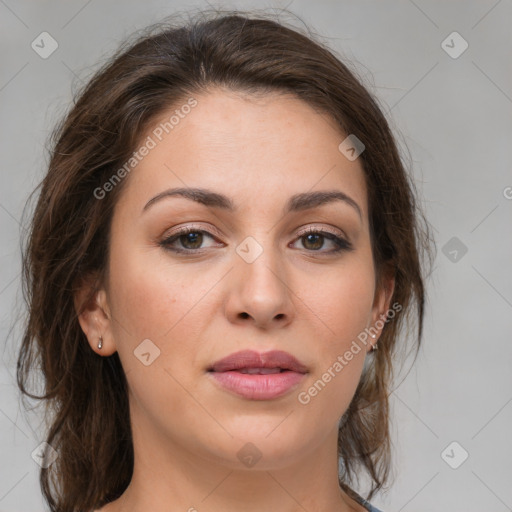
298,296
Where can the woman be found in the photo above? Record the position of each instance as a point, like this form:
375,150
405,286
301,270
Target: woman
224,251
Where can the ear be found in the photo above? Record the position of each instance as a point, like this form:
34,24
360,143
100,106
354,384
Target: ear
382,300
93,311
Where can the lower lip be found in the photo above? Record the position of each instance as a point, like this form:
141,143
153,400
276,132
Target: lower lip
256,386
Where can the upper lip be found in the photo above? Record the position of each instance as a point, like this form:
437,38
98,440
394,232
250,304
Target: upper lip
253,359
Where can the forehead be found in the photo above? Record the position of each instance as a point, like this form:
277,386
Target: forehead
249,147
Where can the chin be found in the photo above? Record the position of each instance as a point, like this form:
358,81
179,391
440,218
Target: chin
261,447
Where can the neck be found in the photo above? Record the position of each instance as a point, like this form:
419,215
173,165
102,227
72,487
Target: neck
177,479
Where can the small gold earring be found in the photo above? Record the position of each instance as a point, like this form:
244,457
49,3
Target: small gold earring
100,343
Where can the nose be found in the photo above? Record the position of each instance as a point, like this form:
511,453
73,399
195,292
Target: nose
259,293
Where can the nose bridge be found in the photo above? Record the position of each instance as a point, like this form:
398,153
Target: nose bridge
259,262
260,287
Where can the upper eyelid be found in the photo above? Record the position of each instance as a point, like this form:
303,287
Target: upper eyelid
300,232
321,229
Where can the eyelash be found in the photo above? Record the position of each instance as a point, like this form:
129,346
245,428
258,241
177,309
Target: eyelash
341,243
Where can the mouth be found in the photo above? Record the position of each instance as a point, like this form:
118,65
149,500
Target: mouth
252,362
255,376
254,370
261,371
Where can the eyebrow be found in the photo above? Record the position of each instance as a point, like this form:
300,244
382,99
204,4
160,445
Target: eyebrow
297,202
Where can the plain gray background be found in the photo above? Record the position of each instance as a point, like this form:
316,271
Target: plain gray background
454,115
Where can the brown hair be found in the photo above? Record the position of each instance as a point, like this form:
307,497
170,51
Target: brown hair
86,395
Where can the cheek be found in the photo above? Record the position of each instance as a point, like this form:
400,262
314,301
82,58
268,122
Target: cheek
168,303
343,301
150,296
152,300
340,354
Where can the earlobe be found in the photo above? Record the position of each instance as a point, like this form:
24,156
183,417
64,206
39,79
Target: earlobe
93,314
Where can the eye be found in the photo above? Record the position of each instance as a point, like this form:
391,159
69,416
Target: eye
190,239
313,239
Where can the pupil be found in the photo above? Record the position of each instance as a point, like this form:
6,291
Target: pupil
192,238
317,245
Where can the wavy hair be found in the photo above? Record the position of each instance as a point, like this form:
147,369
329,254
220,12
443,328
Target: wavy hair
85,395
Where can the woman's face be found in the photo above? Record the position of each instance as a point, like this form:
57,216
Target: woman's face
248,276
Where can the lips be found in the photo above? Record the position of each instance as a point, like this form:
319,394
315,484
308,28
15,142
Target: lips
254,376
252,362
